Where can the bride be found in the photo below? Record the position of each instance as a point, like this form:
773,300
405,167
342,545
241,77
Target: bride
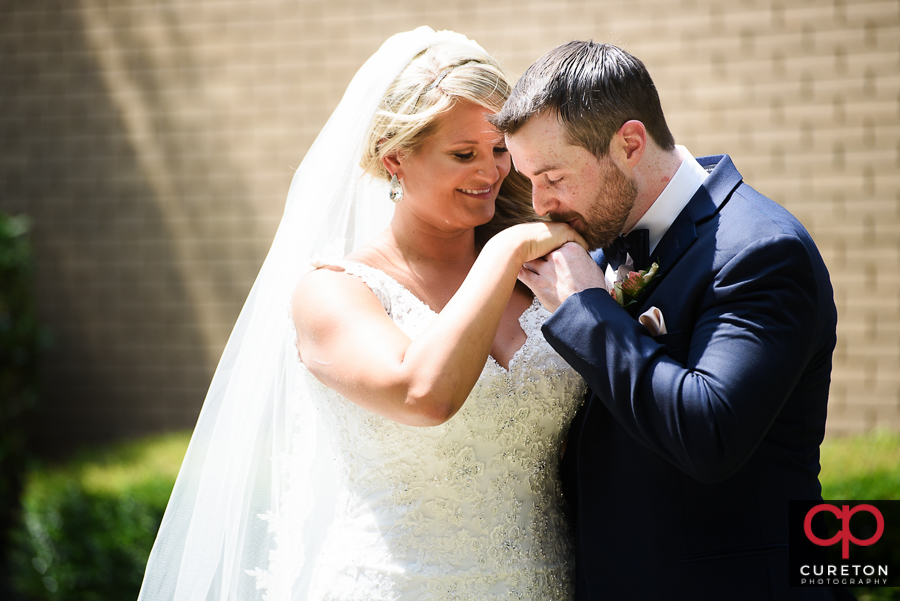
396,435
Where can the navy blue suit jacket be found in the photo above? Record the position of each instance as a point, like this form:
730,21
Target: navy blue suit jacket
681,464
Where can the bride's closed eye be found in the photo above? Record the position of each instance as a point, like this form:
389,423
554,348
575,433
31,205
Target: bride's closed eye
468,156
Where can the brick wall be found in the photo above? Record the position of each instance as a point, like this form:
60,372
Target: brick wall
152,141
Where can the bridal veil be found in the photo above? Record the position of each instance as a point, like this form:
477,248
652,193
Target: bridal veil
214,539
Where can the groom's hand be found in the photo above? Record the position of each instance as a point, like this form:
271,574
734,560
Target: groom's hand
566,271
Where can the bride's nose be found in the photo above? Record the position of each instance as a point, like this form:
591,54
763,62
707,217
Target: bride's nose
490,169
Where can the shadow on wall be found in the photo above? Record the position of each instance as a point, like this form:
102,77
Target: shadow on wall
111,149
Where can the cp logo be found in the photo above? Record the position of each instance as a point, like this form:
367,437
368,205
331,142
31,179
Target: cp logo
845,536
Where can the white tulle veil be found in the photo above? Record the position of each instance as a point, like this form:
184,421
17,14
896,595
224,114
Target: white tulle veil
213,544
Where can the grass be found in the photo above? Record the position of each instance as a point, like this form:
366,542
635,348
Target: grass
863,467
134,463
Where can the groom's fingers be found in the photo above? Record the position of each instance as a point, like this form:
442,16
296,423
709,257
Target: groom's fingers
539,269
534,266
577,269
525,275
528,276
540,277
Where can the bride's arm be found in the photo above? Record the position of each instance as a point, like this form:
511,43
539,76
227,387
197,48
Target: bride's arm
350,344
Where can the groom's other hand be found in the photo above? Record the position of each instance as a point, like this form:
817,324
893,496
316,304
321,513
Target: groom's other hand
560,274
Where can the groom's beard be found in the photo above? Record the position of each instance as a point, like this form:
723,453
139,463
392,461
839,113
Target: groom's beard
605,217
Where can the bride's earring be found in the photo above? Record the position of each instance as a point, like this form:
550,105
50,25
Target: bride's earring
396,194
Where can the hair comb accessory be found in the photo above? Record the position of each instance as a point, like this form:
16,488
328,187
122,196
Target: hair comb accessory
439,79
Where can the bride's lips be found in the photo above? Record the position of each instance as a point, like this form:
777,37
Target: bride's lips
480,193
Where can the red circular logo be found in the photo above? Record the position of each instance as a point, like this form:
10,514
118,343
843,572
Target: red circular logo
844,536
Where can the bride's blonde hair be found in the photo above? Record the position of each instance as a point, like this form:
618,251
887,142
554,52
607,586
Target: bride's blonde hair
433,82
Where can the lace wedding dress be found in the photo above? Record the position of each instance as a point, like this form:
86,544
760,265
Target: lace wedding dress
470,509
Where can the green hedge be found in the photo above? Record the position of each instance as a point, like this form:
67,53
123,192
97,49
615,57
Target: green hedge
21,342
88,526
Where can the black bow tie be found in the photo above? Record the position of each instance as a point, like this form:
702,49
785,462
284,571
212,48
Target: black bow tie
636,244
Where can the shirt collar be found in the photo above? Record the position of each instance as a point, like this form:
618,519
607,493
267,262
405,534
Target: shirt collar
679,191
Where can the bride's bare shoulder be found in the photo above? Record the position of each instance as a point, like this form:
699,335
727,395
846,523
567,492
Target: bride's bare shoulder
326,288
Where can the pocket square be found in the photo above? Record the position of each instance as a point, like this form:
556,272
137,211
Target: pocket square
652,319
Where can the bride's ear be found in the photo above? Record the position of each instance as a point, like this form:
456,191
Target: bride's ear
391,162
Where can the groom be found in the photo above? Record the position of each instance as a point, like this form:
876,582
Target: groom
703,423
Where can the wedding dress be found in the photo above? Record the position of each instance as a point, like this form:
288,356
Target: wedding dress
470,509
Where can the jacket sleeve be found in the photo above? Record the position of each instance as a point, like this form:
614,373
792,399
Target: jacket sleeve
754,332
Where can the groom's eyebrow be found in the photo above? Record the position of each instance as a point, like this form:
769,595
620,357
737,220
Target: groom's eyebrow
544,169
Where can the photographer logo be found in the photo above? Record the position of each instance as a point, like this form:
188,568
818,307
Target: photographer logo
844,536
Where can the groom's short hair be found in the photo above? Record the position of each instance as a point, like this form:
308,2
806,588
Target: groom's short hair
594,89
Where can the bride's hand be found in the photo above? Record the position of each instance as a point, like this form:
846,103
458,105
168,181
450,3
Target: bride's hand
534,240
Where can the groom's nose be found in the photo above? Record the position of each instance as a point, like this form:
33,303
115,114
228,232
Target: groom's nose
543,199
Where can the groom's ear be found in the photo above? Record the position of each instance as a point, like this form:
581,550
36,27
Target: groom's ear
630,142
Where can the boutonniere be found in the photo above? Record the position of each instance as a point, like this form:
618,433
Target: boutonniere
627,290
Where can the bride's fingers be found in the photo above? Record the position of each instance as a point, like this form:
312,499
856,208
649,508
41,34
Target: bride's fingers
571,246
542,237
565,233
580,241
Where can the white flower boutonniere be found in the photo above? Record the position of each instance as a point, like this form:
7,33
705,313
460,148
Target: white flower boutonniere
627,290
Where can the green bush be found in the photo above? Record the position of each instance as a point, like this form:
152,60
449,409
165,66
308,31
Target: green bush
21,341
88,526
